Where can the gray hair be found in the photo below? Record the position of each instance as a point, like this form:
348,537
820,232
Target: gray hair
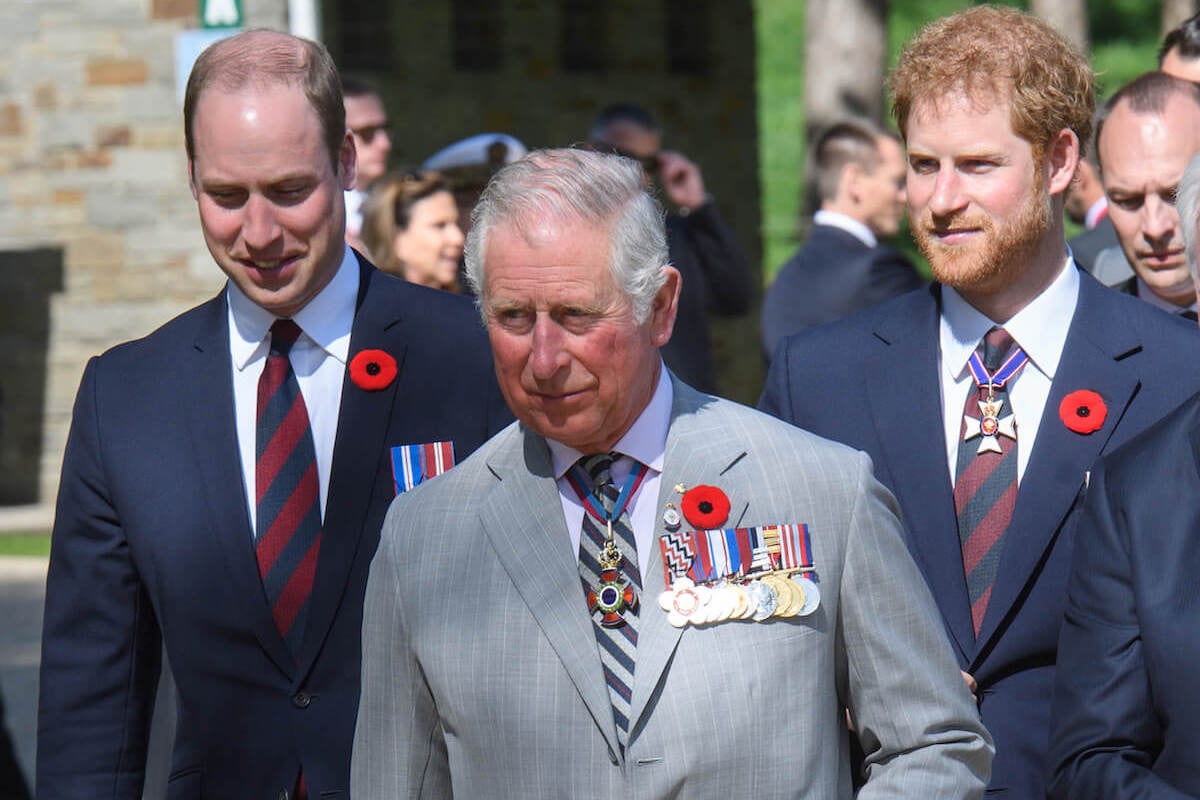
1187,201
597,189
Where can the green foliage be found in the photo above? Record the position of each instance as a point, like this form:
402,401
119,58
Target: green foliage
780,33
25,544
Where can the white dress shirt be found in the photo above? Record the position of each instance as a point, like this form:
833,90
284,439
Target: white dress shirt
318,358
1040,329
849,224
646,440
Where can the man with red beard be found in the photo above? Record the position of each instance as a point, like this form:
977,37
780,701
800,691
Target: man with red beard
1148,132
984,399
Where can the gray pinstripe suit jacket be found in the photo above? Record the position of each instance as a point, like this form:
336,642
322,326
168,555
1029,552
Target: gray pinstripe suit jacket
481,676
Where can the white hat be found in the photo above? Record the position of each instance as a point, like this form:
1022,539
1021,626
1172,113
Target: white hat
491,150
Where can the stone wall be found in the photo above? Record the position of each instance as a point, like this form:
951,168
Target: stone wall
91,167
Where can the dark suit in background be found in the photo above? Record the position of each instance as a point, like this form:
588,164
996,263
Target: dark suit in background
833,275
1126,702
1087,245
716,280
12,781
872,382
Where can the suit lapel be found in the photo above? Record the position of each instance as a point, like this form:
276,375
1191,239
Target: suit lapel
696,454
358,449
214,439
522,520
903,391
1098,356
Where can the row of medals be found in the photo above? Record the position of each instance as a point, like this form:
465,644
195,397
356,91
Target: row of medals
770,595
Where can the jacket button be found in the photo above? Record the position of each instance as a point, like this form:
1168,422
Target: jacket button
300,700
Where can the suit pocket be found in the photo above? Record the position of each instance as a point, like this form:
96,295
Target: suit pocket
185,784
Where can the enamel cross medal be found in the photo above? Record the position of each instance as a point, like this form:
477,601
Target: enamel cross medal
613,595
990,425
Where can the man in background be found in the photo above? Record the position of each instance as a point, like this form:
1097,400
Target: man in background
367,120
1086,205
716,275
984,401
858,171
1149,130
1179,54
1126,717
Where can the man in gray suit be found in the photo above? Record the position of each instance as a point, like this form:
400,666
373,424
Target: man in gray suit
639,590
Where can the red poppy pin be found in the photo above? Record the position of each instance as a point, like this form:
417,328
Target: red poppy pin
372,370
705,507
1083,411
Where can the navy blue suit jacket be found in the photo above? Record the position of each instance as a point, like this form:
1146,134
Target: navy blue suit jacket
1126,702
152,545
871,381
833,275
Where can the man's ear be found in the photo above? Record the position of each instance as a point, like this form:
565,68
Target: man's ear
192,179
347,162
1062,157
665,307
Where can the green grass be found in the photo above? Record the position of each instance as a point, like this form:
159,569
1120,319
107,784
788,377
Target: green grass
25,543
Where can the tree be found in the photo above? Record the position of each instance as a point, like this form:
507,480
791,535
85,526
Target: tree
1175,12
1069,17
845,61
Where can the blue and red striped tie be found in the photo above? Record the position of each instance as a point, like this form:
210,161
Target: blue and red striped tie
288,512
985,487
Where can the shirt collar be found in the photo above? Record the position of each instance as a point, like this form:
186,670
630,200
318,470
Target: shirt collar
326,319
1040,328
1096,212
850,225
1144,292
646,439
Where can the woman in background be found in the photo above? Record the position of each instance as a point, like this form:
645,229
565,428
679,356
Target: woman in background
410,228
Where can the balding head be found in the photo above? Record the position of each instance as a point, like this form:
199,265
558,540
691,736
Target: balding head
265,58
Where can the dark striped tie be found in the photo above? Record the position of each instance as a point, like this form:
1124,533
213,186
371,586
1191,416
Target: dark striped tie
617,644
985,487
288,492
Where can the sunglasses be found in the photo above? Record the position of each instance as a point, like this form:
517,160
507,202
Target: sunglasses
368,132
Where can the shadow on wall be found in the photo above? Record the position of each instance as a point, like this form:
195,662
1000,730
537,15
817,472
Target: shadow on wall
27,280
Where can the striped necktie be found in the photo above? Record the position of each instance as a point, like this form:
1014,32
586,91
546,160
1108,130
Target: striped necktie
617,643
288,491
985,487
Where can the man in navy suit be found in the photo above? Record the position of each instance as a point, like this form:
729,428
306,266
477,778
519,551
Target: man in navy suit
987,448
842,267
226,477
1125,713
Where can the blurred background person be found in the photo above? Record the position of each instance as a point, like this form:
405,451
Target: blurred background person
367,119
842,267
1086,205
468,165
1180,51
411,228
1149,130
716,275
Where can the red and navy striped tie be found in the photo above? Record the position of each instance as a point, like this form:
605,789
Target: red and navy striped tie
288,491
985,487
617,644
